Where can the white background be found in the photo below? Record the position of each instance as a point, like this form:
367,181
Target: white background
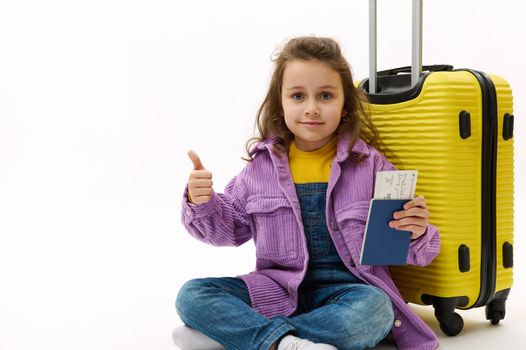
99,103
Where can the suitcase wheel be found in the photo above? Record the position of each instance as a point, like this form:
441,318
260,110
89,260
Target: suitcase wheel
496,310
450,322
495,320
452,325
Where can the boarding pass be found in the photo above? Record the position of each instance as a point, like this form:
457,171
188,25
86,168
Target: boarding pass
398,184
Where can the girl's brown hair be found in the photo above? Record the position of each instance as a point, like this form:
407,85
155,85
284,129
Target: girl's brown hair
270,120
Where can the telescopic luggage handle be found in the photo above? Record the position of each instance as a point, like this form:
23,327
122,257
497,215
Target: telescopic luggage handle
416,64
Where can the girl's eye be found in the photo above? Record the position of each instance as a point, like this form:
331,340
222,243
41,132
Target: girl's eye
299,95
323,96
326,95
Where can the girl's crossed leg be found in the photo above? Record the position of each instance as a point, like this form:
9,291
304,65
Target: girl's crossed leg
220,308
347,315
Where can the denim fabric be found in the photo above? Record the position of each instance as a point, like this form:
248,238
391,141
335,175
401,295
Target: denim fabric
334,306
325,265
347,315
312,198
220,308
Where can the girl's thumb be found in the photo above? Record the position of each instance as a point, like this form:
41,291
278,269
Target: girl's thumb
195,160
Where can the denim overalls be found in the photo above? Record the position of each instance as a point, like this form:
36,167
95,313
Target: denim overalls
325,265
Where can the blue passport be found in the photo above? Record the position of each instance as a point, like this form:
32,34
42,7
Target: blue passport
383,245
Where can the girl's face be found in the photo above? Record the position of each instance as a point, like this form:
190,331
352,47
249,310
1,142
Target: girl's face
312,100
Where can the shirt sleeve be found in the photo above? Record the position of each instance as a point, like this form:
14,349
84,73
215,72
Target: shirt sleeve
222,221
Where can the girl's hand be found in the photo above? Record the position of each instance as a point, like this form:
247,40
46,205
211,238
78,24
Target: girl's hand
199,181
413,218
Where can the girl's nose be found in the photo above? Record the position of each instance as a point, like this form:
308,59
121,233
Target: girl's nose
312,109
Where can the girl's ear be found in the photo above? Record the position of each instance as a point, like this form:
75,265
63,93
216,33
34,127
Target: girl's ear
344,113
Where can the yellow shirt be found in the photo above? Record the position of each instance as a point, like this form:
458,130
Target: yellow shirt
314,166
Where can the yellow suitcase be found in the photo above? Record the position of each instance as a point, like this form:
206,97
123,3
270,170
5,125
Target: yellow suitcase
456,128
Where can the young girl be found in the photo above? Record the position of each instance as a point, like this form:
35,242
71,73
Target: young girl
303,198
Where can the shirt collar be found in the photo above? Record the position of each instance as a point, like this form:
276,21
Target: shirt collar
360,147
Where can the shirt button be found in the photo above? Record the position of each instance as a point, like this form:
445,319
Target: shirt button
333,225
398,323
351,262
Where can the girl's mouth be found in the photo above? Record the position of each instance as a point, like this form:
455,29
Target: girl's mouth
311,124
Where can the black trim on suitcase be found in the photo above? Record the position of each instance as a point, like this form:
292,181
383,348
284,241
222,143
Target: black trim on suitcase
507,255
489,188
507,127
464,124
463,258
393,88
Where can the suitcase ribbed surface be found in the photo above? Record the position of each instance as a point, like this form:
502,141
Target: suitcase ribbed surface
423,133
505,182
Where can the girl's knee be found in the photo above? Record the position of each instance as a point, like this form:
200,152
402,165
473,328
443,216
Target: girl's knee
188,293
371,322
384,320
381,317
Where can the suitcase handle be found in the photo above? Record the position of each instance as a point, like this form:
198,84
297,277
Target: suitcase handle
416,63
407,69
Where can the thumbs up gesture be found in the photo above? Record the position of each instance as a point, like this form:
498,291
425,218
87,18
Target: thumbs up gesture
199,182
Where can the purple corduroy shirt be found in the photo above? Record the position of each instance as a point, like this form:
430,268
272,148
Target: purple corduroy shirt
260,203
